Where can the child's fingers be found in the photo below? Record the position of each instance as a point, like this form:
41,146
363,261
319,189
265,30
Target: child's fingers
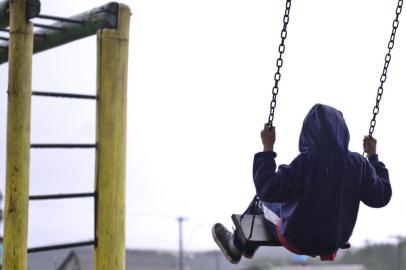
268,128
369,139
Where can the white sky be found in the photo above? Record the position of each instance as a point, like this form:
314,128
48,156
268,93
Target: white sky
200,80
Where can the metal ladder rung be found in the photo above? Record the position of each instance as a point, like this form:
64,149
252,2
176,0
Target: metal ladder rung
63,95
62,196
61,246
56,145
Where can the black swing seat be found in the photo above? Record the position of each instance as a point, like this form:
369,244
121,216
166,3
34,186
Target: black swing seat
260,234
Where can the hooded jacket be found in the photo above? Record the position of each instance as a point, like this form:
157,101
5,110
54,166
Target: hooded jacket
320,191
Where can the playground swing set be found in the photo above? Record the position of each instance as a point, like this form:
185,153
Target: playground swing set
251,228
111,24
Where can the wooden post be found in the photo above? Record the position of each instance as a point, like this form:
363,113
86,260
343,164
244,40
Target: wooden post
112,61
18,138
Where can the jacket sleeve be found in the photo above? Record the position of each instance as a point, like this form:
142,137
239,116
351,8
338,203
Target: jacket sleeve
277,185
376,189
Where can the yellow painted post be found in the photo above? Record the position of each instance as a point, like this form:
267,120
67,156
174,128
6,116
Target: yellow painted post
112,62
18,138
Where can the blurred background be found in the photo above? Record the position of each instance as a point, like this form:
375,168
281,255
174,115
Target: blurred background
200,84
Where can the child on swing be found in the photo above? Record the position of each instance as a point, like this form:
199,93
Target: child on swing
311,205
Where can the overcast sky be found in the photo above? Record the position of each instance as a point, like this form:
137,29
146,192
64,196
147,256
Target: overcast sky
200,80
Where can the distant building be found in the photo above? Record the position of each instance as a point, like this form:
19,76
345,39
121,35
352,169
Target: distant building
50,260
322,267
83,259
71,262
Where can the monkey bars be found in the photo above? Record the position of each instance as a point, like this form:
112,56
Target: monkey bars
64,30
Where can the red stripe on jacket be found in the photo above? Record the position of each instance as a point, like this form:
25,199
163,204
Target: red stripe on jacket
291,248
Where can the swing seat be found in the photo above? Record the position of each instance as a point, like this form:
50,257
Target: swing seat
260,235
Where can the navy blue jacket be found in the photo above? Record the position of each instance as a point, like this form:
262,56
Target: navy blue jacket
320,191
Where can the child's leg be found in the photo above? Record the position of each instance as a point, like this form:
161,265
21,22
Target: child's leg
248,252
272,212
228,243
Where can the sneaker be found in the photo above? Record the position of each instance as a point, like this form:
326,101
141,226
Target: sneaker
249,253
224,239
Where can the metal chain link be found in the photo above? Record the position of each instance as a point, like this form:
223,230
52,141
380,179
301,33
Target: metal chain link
388,57
279,62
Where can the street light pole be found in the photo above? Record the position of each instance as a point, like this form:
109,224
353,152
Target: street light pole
180,222
217,260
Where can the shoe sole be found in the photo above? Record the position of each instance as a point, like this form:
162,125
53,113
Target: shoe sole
223,250
248,256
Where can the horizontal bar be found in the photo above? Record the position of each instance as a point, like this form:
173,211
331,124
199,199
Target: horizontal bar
32,10
97,18
4,38
62,196
61,246
63,145
40,25
62,95
4,30
55,18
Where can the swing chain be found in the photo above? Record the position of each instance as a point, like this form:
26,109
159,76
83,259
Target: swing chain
279,62
388,57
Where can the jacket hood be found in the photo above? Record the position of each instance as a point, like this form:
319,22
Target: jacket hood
324,129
